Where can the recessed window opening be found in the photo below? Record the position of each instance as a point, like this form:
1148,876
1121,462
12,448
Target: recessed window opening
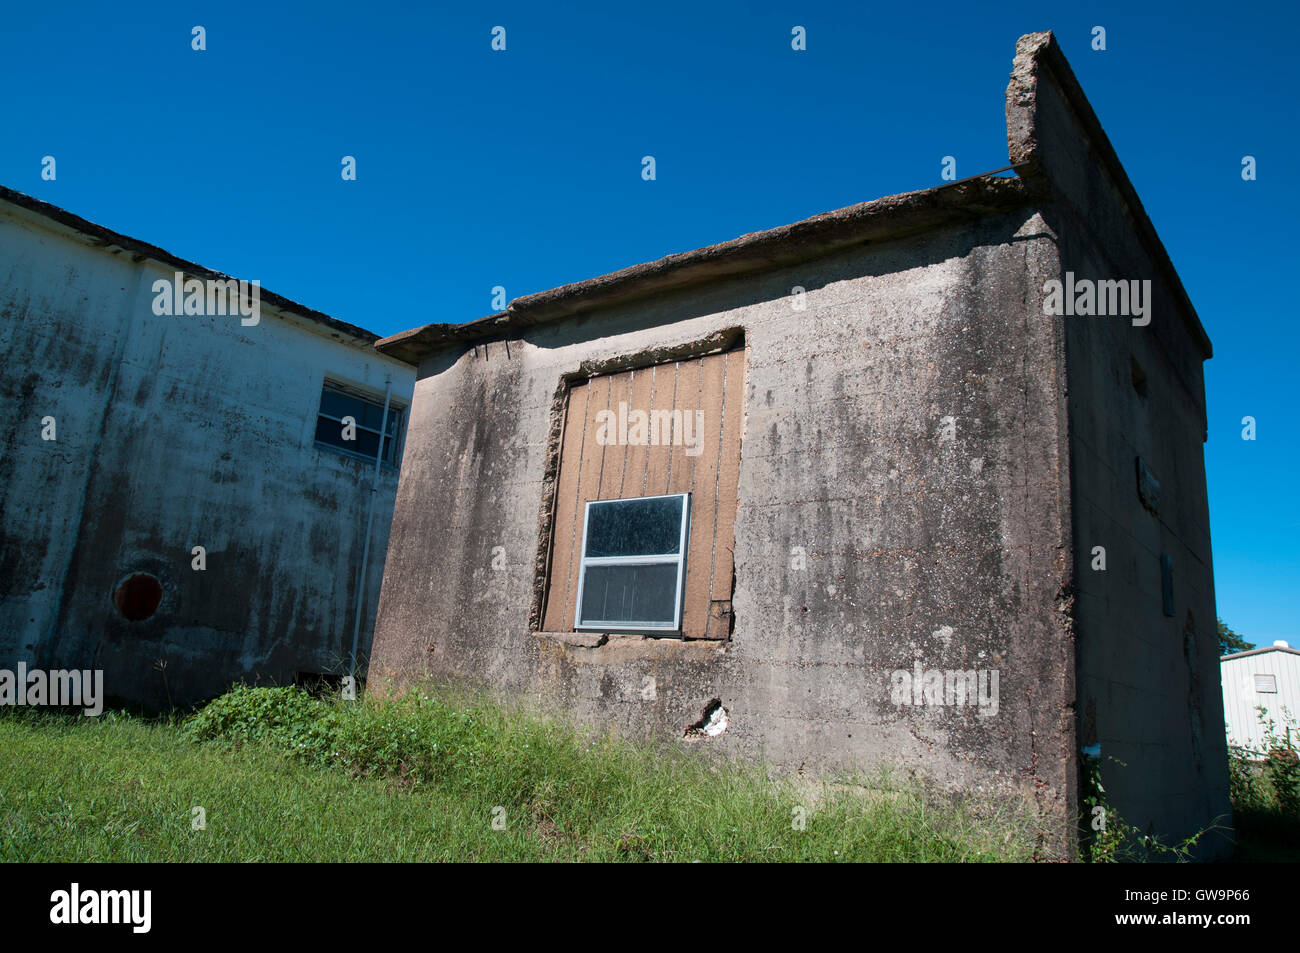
633,563
1139,377
651,430
338,401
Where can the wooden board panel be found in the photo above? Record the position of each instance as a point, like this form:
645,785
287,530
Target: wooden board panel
564,543
611,476
685,403
639,399
623,467
593,465
699,476
728,485
658,457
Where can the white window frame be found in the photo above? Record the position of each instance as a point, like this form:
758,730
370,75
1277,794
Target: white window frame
1263,679
679,558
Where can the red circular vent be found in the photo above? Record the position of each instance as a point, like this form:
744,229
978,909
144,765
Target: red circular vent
137,597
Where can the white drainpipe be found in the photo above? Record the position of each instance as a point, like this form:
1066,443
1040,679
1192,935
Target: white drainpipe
370,515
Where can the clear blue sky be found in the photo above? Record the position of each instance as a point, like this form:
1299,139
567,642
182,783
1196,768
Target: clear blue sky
522,168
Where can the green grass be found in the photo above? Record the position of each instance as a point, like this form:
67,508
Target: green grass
284,777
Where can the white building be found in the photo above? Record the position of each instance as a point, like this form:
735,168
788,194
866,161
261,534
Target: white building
1264,677
133,434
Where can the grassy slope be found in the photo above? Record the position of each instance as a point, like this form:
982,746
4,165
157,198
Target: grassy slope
419,783
124,792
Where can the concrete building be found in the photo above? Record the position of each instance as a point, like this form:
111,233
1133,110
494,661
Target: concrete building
1267,678
890,496
132,437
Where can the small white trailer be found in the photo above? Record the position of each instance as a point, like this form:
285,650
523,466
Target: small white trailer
1266,677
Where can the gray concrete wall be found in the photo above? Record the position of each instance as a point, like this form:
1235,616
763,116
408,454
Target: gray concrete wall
952,553
1149,690
969,553
1148,687
172,432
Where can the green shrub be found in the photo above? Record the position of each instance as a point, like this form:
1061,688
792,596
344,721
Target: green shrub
1265,793
277,716
1283,766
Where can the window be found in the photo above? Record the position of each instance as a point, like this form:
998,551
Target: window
338,401
633,563
1166,584
1266,684
655,446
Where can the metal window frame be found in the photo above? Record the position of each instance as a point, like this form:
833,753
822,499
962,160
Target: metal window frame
394,439
679,558
1271,679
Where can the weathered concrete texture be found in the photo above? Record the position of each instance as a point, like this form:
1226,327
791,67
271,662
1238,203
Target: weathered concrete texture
1149,690
172,432
882,219
920,548
944,452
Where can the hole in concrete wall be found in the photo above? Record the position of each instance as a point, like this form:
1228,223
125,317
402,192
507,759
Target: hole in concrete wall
1139,377
137,597
712,722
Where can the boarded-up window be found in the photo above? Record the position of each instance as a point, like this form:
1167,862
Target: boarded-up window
652,431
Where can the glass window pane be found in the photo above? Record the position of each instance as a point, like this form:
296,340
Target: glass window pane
331,432
630,595
337,405
366,443
645,527
366,413
370,415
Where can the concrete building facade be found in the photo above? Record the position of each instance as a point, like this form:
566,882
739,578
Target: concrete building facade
956,520
133,437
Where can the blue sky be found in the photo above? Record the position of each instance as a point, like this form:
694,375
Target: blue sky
522,169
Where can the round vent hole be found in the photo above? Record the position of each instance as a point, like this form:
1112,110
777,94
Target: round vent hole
137,597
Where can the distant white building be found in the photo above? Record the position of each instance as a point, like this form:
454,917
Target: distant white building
1264,677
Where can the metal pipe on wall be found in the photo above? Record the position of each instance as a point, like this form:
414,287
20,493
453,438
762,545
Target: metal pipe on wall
370,515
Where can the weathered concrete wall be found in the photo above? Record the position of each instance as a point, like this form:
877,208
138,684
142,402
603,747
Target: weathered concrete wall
973,552
1149,689
172,432
948,552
